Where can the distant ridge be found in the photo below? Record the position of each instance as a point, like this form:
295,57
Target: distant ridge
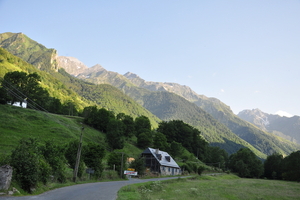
145,92
285,127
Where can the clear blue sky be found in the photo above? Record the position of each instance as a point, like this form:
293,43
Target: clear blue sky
245,53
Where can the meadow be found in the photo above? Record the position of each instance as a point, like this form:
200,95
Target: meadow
226,186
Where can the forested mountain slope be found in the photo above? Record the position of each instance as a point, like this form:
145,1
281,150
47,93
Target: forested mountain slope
261,140
67,88
167,106
144,92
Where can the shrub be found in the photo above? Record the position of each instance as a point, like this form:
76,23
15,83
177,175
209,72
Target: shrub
25,162
200,169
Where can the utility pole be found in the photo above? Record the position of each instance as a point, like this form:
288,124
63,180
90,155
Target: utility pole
121,165
78,156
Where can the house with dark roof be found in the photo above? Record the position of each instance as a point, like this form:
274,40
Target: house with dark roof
160,162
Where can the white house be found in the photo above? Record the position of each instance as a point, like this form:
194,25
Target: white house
160,162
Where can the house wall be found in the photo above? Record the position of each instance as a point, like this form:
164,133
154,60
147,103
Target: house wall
164,170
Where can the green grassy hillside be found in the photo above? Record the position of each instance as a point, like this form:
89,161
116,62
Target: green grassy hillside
29,50
17,123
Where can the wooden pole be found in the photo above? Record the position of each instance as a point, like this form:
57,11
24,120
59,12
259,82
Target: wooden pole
78,156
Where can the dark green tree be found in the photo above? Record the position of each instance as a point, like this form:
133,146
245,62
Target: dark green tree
3,95
115,135
176,149
69,108
93,155
217,157
54,105
116,161
200,170
144,139
120,116
54,155
90,116
142,124
245,163
273,166
160,142
129,126
14,82
139,165
103,118
71,155
29,165
291,167
188,136
22,85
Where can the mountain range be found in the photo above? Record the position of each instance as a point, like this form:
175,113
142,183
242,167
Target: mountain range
131,94
286,127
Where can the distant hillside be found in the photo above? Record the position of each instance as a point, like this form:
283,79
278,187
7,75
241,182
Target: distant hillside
264,142
30,51
9,63
168,106
66,87
140,90
285,127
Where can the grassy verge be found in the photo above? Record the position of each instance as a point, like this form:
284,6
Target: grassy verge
212,187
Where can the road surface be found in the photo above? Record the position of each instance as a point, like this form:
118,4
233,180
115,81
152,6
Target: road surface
90,191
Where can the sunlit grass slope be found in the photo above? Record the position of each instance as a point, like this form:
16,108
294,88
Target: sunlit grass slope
17,123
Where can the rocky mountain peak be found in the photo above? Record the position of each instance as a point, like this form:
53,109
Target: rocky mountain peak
96,68
72,65
255,116
130,75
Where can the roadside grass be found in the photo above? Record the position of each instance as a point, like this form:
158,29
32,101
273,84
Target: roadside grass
226,186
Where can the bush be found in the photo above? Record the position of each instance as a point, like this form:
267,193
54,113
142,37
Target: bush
71,155
54,155
25,162
186,168
200,169
93,155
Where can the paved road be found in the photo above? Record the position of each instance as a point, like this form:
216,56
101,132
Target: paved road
90,191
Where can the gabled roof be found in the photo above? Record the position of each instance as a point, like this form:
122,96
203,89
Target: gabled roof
162,157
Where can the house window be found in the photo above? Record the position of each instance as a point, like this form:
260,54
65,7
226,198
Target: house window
168,158
158,156
169,169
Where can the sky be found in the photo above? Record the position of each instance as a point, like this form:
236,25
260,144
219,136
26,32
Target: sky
245,53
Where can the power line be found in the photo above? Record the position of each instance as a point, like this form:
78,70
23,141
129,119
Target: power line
19,95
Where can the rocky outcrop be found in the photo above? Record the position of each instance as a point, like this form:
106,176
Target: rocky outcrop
5,176
72,65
